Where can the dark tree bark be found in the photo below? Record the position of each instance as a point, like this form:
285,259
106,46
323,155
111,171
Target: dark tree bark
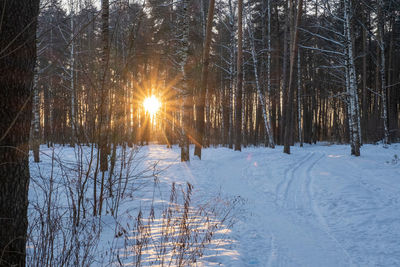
204,79
365,105
238,115
394,92
17,61
104,88
289,107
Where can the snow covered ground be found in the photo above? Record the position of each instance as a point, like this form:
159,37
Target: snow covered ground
318,206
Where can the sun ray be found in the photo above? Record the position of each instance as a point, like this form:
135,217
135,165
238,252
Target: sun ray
152,105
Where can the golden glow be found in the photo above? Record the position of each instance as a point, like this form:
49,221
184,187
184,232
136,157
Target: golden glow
151,104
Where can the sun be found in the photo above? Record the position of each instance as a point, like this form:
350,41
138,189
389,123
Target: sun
151,104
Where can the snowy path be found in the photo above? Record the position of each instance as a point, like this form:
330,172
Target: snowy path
316,207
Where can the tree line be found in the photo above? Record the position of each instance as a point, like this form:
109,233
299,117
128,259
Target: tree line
309,71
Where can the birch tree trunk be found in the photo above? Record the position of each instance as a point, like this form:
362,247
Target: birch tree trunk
36,115
183,53
261,98
352,83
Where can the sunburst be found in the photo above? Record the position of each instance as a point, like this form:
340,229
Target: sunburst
151,105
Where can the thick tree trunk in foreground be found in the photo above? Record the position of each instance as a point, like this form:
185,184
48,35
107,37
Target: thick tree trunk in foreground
204,79
17,61
238,114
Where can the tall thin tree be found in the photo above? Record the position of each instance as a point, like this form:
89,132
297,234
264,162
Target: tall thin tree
183,53
204,79
238,111
289,104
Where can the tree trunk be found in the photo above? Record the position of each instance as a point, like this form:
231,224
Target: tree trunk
261,98
72,77
351,84
103,129
17,62
364,88
204,79
289,106
300,132
36,116
269,91
393,91
184,138
381,31
238,122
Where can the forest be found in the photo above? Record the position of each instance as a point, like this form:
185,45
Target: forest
106,78
95,68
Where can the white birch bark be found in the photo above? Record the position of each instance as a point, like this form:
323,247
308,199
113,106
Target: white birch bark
352,83
269,48
183,54
349,116
261,98
36,114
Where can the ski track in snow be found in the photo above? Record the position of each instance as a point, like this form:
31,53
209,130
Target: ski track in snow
283,223
318,206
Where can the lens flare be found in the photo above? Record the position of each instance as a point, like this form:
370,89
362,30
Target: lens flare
151,104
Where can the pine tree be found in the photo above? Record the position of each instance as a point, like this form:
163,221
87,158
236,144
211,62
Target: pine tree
204,80
238,111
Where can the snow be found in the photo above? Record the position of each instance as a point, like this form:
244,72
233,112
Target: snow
318,206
